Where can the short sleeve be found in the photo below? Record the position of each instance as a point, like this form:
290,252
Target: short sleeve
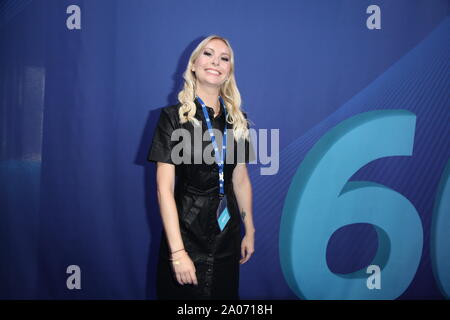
162,145
249,154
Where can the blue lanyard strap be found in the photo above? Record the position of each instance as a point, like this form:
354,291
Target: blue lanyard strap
220,156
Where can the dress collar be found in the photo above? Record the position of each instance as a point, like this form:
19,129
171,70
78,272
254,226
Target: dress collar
209,109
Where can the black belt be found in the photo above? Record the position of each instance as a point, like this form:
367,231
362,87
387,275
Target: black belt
185,186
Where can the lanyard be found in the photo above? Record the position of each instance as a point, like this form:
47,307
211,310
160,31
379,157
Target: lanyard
220,161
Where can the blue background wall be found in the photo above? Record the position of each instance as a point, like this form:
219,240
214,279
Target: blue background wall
78,109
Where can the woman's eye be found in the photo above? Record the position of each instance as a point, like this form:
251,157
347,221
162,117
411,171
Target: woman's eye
225,59
206,53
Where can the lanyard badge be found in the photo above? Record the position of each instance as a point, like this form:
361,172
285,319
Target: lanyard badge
222,213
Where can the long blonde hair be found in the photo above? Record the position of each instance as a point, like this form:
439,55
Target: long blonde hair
228,91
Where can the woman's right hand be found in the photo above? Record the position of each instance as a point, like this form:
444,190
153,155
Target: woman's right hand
184,268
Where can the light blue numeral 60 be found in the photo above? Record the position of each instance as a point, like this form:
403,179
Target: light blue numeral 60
321,200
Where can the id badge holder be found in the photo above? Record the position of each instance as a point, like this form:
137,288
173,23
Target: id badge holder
222,213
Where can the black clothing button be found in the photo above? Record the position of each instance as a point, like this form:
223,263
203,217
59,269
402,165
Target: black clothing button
207,284
210,255
209,270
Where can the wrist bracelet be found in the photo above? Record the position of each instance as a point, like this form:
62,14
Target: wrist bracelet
176,251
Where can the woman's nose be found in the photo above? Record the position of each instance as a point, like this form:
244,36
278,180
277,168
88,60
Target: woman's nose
215,61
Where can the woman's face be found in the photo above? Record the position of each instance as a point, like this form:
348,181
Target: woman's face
212,67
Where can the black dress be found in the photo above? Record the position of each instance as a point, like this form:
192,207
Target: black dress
214,253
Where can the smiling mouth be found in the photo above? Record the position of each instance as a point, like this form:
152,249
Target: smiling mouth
216,73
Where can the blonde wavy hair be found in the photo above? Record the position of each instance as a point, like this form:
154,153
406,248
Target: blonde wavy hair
228,91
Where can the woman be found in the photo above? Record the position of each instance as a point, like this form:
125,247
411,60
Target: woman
200,255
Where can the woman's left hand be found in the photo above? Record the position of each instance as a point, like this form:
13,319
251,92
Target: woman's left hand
247,247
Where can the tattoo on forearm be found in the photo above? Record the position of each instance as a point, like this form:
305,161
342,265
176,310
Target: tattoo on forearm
243,215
